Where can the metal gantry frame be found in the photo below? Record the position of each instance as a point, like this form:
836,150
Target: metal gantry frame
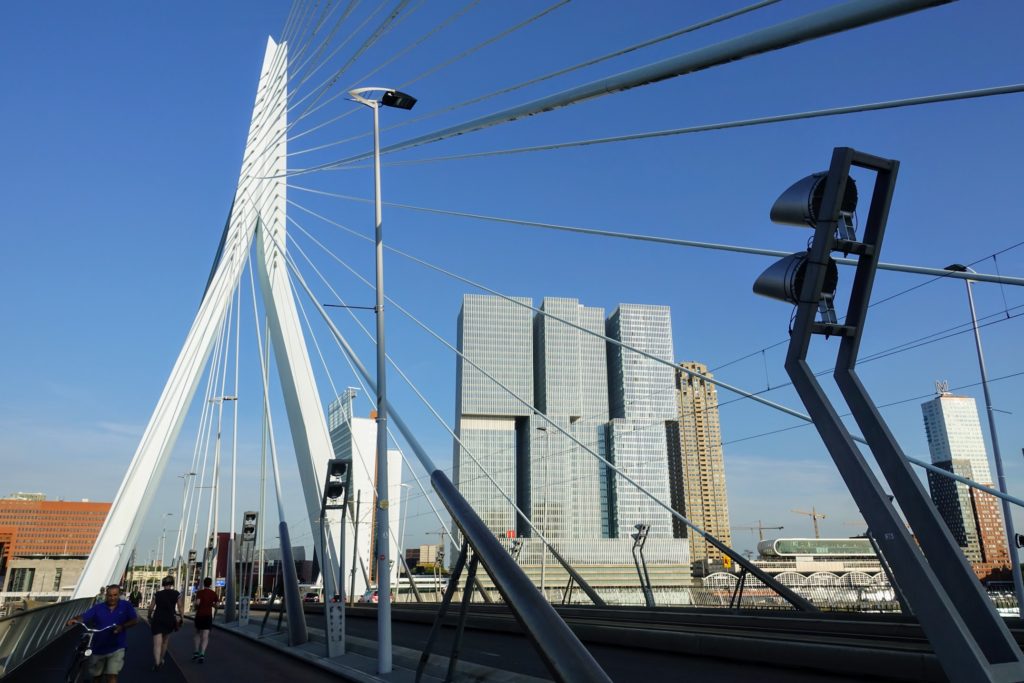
969,638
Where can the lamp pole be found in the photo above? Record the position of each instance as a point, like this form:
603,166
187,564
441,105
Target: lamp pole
544,549
163,537
1011,537
390,98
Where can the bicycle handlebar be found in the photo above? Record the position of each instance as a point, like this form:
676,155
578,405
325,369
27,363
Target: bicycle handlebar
94,630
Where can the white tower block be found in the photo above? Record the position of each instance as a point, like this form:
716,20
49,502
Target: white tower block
259,197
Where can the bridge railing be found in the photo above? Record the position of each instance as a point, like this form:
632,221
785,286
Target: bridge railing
23,634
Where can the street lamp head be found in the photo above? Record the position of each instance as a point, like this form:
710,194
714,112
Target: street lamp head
390,97
398,100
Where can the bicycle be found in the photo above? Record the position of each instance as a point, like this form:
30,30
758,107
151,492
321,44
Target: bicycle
78,671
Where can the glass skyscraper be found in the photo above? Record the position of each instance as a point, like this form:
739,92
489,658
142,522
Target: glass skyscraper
614,403
956,444
642,400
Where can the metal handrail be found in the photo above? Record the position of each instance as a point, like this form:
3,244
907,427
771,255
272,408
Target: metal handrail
25,634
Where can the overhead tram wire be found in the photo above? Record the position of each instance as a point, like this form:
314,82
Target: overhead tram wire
942,335
884,299
978,93
784,591
561,72
817,24
756,251
880,407
436,68
729,387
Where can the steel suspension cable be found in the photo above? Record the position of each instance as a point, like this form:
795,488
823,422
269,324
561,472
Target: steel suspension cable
627,347
817,24
430,406
784,591
741,123
594,61
756,251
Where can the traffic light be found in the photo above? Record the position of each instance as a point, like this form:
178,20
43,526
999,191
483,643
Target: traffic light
800,205
337,468
337,472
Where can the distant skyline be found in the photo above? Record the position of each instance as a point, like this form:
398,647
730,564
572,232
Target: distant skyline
124,126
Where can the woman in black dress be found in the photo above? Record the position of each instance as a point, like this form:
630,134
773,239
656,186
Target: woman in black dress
164,619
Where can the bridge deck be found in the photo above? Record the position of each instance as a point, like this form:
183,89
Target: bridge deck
229,658
494,649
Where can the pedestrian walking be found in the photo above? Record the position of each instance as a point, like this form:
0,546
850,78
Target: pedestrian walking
164,619
111,617
206,603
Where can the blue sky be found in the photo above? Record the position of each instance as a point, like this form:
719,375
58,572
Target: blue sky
125,124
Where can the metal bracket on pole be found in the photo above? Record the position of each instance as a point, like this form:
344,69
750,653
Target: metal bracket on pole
736,601
449,592
970,639
467,597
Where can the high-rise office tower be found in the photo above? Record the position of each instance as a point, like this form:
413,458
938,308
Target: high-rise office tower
956,444
567,493
497,336
568,486
696,467
642,400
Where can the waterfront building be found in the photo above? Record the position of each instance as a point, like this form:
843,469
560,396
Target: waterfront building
696,466
31,526
956,444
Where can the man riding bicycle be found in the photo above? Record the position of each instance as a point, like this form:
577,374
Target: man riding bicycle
115,615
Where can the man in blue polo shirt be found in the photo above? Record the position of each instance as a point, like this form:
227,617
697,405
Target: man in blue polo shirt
108,646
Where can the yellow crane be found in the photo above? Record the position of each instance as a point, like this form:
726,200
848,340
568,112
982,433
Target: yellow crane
815,516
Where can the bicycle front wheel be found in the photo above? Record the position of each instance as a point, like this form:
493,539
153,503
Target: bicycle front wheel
78,671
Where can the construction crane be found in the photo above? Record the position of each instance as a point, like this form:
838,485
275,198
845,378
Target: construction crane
759,529
815,516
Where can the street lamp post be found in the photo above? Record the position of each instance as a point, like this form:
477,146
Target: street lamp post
398,100
163,537
1011,538
544,548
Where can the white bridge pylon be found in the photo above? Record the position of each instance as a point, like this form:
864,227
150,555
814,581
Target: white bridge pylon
259,208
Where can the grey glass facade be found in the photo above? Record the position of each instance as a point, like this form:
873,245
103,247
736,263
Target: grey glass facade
642,399
565,373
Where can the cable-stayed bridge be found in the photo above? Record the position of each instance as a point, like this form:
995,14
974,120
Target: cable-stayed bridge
267,286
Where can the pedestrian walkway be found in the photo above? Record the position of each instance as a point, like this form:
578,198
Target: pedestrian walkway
52,663
233,658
